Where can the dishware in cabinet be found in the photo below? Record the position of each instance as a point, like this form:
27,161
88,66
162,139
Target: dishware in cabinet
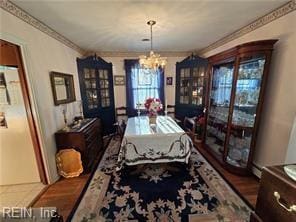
237,81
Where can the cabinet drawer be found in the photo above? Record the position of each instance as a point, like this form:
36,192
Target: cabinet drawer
92,127
267,206
87,140
91,137
93,151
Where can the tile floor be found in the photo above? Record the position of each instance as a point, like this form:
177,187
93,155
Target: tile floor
19,195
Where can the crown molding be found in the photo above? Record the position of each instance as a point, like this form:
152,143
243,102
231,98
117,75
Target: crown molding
26,17
137,54
23,15
275,14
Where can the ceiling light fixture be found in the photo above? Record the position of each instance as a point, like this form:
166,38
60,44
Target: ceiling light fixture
154,60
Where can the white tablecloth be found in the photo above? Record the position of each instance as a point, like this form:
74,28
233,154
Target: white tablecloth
164,142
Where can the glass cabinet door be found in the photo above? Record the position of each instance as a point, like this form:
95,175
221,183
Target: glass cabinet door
198,74
190,87
247,92
219,103
184,85
90,84
96,88
104,87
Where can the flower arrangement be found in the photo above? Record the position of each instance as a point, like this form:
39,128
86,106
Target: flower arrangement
153,105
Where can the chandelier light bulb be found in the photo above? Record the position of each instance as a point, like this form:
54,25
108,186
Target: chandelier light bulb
154,60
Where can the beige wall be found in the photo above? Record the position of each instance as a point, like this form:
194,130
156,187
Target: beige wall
280,104
120,91
291,152
43,54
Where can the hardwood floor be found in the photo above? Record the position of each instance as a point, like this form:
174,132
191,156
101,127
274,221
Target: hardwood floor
65,193
246,186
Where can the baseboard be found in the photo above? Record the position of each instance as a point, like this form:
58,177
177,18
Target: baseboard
54,179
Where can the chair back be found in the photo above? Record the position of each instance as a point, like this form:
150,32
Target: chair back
171,110
121,114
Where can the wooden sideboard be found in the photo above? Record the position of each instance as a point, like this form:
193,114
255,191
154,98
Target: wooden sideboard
86,138
268,208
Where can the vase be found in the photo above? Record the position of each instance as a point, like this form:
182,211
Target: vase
152,120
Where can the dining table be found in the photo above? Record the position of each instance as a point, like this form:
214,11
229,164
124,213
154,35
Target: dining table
162,142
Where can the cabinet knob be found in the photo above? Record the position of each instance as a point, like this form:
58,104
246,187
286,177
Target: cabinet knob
277,196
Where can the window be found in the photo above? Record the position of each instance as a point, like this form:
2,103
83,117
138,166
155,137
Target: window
144,85
140,85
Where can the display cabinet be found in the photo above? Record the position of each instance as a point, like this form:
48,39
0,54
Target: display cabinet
237,80
96,87
190,87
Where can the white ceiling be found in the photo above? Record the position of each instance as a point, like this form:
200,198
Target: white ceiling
119,26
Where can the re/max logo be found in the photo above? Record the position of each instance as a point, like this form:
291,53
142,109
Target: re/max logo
23,212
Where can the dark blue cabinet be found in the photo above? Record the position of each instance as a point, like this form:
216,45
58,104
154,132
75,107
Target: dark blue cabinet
190,86
96,86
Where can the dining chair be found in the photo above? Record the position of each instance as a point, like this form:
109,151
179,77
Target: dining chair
171,113
121,119
194,127
189,125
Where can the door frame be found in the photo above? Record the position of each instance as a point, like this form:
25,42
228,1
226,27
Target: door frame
30,105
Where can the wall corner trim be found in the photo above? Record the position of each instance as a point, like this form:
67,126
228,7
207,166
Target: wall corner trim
269,17
26,17
130,54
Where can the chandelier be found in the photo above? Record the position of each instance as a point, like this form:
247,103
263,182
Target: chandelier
153,61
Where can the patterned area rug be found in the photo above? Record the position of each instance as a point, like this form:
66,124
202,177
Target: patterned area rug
159,192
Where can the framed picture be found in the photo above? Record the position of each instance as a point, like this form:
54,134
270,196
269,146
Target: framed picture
119,80
169,81
62,86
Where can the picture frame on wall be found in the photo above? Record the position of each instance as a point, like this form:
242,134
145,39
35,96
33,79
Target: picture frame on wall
63,88
119,80
169,81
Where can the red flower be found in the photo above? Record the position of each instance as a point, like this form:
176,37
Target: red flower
153,105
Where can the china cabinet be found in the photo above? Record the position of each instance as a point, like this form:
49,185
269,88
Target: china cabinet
96,87
190,86
237,80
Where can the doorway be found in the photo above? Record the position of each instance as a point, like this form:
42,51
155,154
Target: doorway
22,172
